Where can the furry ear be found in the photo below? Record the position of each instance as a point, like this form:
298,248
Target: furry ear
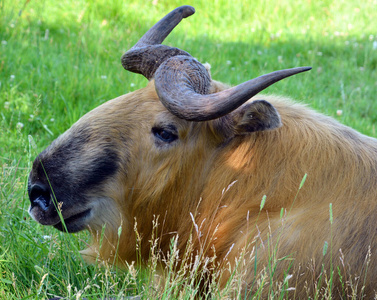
258,115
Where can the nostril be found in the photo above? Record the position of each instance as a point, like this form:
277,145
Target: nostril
39,196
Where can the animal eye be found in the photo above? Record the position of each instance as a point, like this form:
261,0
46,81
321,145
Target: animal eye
164,134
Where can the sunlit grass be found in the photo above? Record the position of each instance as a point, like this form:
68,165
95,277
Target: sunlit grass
60,59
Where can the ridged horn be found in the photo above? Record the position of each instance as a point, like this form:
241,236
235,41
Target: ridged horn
181,82
183,90
148,53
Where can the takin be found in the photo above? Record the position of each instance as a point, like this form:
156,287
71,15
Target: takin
217,167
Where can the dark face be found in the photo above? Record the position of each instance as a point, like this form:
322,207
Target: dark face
57,181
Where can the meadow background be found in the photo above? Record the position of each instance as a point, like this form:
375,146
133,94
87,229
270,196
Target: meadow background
60,59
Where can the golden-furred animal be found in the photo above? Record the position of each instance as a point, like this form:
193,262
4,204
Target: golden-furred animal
199,157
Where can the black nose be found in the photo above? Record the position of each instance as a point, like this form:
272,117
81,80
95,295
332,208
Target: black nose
39,195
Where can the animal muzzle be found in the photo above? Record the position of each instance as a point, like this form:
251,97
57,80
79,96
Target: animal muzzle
46,210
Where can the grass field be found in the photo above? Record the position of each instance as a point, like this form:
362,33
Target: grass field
60,59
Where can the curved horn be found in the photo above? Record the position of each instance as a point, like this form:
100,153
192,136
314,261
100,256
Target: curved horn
147,54
183,89
182,83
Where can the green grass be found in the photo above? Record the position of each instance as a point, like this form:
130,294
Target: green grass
60,59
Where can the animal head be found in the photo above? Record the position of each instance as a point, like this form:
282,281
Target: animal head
146,140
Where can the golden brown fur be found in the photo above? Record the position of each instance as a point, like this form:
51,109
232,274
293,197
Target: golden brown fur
191,177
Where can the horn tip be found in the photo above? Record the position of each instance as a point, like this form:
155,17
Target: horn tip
297,70
304,69
186,10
